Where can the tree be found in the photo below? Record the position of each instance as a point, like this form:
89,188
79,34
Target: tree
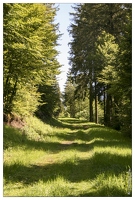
69,99
107,51
29,53
76,103
50,100
96,57
125,77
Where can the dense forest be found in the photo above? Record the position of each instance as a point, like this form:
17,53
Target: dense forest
100,78
99,83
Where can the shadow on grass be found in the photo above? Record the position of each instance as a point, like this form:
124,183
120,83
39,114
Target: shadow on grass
102,138
74,170
59,124
71,123
14,138
105,191
72,120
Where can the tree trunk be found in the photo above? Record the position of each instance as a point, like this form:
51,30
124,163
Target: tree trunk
96,109
96,103
108,108
90,103
104,107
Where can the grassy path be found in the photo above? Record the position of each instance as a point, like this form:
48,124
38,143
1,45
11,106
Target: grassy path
70,158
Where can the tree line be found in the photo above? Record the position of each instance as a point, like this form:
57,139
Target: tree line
99,84
30,64
100,76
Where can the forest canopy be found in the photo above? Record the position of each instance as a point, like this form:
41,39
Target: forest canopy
30,64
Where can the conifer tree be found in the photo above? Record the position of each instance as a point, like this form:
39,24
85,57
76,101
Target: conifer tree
102,73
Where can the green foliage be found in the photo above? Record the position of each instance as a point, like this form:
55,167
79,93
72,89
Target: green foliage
69,99
74,104
125,80
26,100
50,101
29,53
82,109
101,60
107,51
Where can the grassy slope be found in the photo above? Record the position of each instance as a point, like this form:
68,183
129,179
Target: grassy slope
72,158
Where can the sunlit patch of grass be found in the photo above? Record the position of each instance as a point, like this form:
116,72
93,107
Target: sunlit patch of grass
39,131
106,185
114,150
66,159
26,156
36,129
59,187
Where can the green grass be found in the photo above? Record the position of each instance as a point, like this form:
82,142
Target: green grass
67,157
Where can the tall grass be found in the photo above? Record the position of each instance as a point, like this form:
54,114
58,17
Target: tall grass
68,158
